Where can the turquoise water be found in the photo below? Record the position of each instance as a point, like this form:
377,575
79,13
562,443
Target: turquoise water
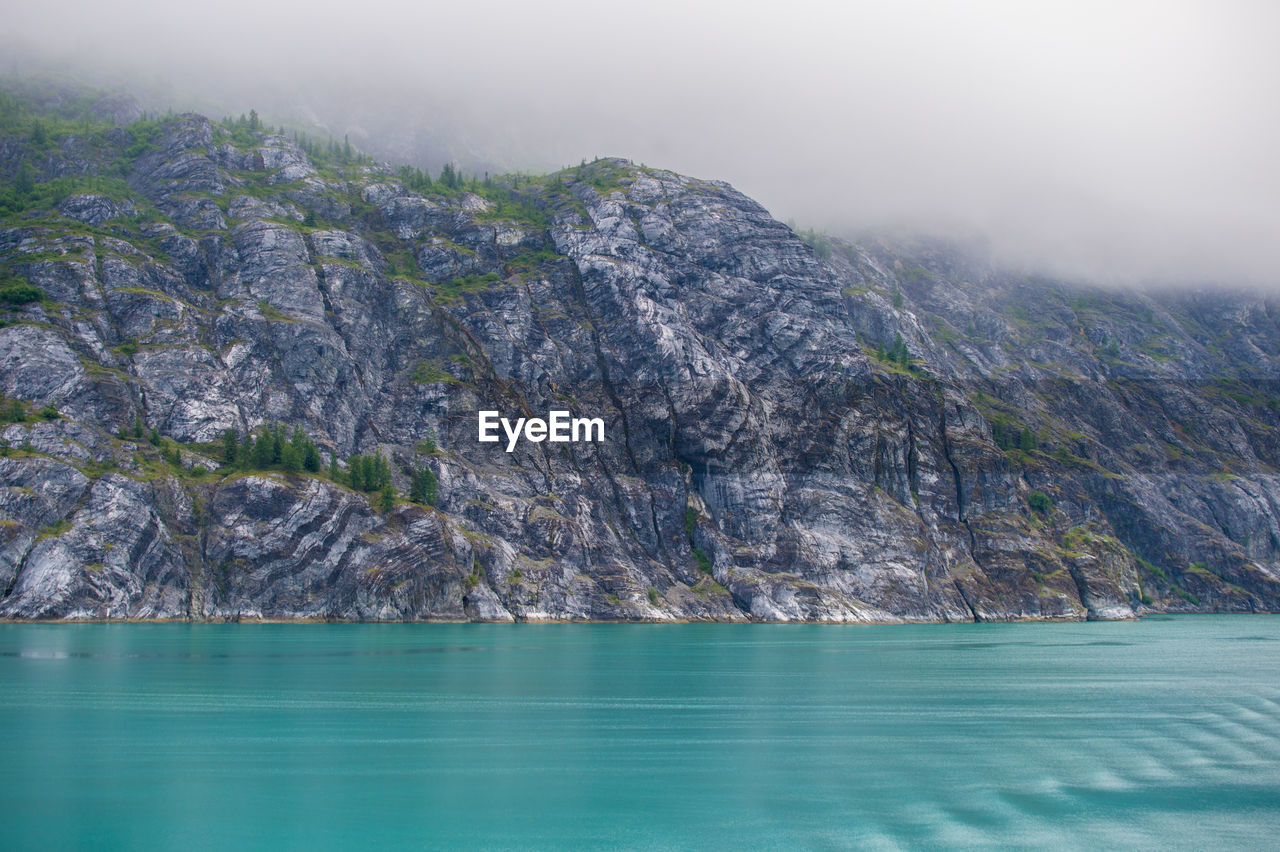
1164,732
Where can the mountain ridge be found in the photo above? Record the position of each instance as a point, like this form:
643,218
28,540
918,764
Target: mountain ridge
798,431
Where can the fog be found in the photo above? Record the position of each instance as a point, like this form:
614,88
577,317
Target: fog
1124,141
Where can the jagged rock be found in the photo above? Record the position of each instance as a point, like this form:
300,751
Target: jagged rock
889,431
95,209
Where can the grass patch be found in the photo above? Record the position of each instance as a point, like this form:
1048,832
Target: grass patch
429,374
273,314
455,289
54,530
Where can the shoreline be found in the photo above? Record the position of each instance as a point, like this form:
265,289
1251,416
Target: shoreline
555,621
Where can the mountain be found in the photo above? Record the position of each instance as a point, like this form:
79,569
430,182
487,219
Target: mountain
794,428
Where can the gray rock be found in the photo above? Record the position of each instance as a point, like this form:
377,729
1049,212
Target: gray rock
1029,449
95,209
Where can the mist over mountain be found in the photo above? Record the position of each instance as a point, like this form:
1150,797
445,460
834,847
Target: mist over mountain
1122,143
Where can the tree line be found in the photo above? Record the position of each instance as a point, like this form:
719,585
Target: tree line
419,180
275,449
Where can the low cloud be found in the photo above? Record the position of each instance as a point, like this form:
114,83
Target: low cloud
1127,142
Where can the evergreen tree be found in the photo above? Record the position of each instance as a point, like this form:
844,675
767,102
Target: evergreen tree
387,498
310,458
289,460
246,454
334,473
898,352
422,486
264,450
230,446
254,123
24,181
356,472
299,441
999,436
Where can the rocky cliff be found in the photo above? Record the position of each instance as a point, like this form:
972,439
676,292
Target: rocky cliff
795,430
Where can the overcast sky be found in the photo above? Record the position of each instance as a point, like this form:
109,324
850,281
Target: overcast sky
1117,139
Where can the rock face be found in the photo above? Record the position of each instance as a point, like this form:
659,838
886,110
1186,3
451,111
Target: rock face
829,432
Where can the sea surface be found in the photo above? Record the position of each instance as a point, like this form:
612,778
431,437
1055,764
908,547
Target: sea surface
1159,733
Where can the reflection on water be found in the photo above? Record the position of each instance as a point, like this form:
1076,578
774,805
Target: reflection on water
1164,732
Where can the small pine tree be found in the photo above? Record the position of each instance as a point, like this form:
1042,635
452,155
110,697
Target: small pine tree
277,444
289,458
387,498
898,352
264,450
355,472
299,441
423,486
310,458
897,297
334,473
1000,436
24,181
382,471
230,446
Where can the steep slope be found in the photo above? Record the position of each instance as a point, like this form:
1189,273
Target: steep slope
793,432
